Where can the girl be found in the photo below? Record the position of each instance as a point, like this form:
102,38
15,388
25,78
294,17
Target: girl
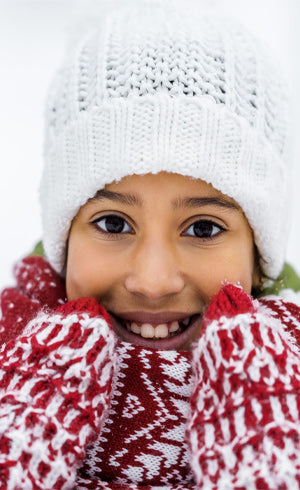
134,355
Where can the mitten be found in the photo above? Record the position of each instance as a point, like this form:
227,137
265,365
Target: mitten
92,484
37,280
244,427
37,286
55,384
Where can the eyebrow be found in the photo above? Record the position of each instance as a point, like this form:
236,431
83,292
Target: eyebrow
128,199
177,203
195,202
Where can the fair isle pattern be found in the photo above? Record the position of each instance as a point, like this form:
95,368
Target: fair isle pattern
37,287
55,384
243,417
289,296
154,89
285,311
143,437
244,429
84,484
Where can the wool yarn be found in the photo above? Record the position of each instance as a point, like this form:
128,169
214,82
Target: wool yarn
81,410
154,90
245,405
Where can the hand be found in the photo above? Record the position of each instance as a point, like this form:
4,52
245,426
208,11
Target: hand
37,286
84,305
244,429
55,385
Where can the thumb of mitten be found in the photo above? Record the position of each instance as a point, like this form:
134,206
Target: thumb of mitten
55,385
84,305
246,369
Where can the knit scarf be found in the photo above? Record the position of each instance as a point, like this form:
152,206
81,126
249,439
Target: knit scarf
79,409
143,437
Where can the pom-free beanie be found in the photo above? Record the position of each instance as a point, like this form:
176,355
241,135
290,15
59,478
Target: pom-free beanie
153,90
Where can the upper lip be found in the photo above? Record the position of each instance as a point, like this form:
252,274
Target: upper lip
153,318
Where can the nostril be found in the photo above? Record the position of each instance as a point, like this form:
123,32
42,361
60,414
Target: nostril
154,288
153,268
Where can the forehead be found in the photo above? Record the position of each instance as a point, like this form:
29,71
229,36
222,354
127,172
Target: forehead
178,189
161,179
162,196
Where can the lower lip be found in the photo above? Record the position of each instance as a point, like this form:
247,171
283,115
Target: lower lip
183,341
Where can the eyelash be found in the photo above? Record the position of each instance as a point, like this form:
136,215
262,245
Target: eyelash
205,222
109,234
115,235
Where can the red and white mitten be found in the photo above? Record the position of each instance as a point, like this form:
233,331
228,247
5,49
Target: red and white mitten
55,384
244,427
37,286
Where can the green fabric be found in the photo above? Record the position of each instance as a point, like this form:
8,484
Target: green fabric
38,250
288,279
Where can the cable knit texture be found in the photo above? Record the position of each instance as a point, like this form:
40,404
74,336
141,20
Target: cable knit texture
155,90
80,411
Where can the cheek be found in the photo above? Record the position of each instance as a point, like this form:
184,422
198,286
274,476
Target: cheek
88,273
235,265
77,284
240,268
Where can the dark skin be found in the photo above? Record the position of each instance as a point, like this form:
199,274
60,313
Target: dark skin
179,229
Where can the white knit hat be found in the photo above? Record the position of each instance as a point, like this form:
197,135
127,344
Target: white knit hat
153,90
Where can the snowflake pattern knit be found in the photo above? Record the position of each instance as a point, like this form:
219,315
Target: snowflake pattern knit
80,410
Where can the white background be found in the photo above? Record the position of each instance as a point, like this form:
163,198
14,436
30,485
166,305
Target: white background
33,34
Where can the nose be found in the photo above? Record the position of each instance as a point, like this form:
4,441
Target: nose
154,271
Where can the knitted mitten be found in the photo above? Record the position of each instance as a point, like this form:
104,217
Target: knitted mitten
244,429
55,384
37,286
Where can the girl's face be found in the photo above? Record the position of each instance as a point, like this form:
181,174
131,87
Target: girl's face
153,250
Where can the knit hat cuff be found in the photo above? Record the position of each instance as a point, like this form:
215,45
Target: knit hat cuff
149,134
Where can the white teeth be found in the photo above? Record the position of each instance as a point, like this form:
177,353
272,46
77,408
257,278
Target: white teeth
147,331
135,328
161,331
174,327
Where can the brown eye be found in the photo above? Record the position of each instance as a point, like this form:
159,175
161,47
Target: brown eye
203,229
113,224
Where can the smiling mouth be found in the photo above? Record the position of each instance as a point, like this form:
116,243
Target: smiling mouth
175,334
160,331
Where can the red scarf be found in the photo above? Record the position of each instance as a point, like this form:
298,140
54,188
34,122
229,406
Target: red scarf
81,410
